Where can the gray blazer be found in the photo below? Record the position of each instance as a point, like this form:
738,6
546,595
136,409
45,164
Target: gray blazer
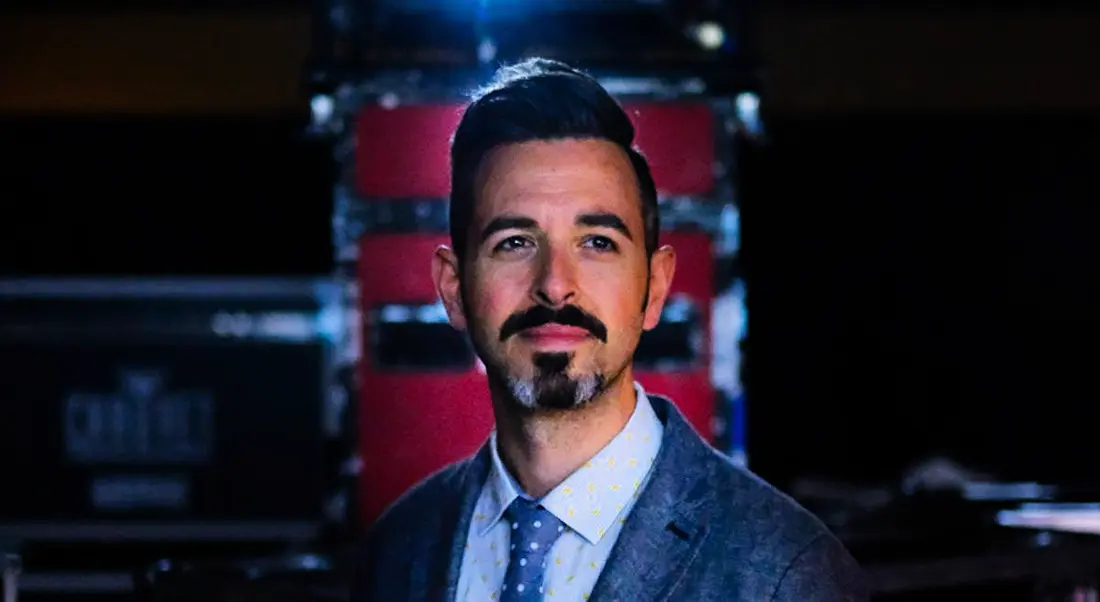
702,530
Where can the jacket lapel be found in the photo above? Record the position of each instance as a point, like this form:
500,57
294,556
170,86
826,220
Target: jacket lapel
437,566
668,525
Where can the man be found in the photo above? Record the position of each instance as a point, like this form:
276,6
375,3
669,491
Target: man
589,488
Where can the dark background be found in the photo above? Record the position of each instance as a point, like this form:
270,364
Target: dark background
921,272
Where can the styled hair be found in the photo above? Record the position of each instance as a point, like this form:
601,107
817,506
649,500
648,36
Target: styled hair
540,99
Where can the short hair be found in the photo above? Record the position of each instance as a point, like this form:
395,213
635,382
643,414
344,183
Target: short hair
540,99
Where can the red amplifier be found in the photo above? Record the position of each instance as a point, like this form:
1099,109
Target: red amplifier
423,403
404,152
673,359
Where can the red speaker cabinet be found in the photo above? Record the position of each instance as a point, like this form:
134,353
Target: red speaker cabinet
404,152
673,359
423,403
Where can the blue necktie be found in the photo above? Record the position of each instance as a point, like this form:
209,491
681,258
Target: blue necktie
534,530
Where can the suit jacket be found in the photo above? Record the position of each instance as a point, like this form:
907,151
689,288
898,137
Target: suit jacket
702,530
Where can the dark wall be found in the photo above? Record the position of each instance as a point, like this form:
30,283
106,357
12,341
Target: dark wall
923,283
917,282
199,195
832,5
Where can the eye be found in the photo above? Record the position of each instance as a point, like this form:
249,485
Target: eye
601,243
512,243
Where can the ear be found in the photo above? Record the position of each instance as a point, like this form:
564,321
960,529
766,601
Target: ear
662,268
445,275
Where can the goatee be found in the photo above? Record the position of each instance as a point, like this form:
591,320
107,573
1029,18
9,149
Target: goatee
552,388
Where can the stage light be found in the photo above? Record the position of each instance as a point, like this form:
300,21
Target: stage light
321,109
486,51
709,35
465,9
748,113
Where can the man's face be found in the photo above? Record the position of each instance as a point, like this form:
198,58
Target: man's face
555,275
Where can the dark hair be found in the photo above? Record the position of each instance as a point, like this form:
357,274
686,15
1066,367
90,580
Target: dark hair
540,99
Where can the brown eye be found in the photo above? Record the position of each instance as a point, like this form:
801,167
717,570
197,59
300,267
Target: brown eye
601,243
512,243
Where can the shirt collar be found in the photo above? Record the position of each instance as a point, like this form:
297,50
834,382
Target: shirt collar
593,497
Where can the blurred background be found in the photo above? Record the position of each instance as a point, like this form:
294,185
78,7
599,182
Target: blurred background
220,356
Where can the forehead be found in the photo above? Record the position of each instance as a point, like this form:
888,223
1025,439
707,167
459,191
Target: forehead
543,178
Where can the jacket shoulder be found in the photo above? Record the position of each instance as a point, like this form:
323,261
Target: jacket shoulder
390,544
406,515
768,513
784,545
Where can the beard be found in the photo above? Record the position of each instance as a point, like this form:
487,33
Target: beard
550,388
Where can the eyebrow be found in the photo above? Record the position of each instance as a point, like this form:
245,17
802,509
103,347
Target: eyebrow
590,220
604,220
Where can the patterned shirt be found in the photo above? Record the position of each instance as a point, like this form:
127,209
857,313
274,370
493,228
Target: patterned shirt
593,502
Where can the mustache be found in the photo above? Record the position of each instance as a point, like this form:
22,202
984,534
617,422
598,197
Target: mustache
539,315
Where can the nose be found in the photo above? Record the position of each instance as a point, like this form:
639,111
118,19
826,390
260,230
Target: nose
555,285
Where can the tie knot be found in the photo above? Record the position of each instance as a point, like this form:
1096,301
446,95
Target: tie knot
534,528
523,509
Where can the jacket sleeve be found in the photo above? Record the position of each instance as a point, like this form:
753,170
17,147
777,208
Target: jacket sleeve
822,572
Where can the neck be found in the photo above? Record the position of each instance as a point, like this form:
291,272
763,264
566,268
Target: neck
541,449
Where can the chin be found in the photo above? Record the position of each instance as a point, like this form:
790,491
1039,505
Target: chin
556,392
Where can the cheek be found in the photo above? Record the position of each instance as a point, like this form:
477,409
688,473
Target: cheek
496,297
614,286
616,299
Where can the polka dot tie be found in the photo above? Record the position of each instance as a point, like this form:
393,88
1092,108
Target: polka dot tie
533,532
